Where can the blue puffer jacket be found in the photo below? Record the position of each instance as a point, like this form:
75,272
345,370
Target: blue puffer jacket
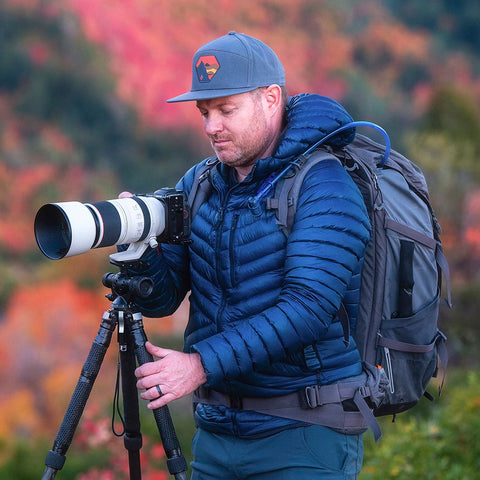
263,307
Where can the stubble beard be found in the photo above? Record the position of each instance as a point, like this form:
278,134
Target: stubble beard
245,150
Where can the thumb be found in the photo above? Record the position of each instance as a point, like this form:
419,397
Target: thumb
156,351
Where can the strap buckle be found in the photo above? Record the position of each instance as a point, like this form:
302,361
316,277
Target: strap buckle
203,176
364,391
311,396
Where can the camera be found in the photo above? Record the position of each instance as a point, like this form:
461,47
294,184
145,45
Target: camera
70,228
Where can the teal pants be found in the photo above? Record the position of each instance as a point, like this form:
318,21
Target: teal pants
303,453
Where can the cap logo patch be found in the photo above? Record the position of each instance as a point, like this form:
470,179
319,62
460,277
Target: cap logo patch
207,66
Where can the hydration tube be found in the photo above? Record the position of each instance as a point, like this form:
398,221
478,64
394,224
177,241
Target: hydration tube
357,124
271,181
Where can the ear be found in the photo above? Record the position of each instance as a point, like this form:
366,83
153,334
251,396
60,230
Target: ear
273,98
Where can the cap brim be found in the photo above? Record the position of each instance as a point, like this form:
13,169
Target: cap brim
208,94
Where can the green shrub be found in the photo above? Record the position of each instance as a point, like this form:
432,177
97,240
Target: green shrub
439,442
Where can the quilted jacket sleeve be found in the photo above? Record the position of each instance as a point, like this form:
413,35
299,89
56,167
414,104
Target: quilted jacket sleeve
170,272
325,248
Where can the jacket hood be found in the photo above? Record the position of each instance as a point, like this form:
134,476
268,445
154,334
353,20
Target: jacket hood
309,118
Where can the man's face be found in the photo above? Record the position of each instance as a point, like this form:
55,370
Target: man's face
239,128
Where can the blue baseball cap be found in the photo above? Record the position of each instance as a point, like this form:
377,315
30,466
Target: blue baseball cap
232,64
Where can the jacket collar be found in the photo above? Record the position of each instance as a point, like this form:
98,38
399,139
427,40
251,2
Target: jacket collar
309,118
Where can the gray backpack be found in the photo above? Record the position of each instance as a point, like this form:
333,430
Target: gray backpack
397,328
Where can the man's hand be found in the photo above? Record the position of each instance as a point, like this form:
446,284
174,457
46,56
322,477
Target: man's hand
177,374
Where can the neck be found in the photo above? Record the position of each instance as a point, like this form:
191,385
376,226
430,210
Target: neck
242,172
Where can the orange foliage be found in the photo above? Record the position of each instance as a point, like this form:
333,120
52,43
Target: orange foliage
17,414
50,326
18,187
47,332
56,140
396,39
387,47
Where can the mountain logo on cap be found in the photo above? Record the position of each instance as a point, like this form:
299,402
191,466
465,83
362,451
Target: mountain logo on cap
207,66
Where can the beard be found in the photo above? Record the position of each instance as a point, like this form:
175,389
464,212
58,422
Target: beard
245,146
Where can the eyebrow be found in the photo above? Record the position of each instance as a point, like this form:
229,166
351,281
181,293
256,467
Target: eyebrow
219,105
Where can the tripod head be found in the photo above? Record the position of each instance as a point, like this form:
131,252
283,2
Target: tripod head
123,284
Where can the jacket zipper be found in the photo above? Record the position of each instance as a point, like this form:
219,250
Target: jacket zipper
218,263
218,227
231,249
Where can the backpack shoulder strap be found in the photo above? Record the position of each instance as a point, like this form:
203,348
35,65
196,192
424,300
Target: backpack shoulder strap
287,190
285,202
201,186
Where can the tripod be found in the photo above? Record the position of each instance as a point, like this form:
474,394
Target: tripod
131,339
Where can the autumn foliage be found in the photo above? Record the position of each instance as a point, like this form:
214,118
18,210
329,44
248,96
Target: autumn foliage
43,346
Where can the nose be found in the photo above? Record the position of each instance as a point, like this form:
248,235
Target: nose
212,123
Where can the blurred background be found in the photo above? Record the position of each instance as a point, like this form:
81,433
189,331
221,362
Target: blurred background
83,85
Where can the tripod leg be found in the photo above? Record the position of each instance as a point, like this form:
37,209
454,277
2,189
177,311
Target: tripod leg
132,437
56,457
176,462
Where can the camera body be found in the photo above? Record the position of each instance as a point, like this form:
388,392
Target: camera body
177,216
71,228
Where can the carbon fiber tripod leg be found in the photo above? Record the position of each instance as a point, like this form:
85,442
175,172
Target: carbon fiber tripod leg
132,437
176,462
56,457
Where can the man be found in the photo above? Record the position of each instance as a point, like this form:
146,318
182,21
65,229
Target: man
263,326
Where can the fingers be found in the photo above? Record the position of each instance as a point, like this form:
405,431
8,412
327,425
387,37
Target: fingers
153,391
154,399
125,195
160,401
150,378
151,367
175,374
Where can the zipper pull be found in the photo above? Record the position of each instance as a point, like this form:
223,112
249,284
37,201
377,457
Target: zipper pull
219,219
388,368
